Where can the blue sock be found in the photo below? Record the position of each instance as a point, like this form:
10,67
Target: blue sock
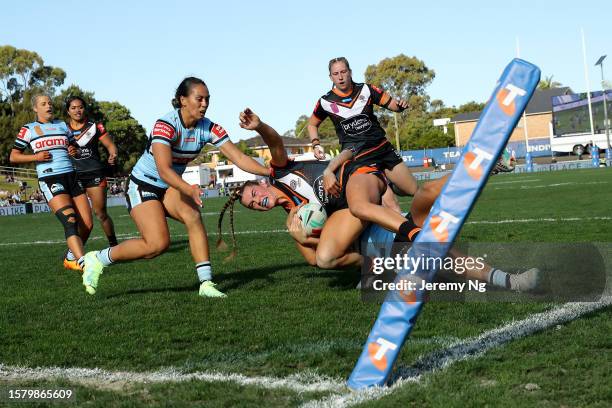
204,271
104,256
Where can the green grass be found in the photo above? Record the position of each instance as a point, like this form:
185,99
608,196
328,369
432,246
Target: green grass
283,317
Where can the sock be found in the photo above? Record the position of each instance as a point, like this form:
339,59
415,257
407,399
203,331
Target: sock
499,278
112,240
104,256
81,261
204,271
70,256
408,232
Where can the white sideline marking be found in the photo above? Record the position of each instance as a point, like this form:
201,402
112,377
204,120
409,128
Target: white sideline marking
465,349
515,181
129,236
569,183
305,382
523,220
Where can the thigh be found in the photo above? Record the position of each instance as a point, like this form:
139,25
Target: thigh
180,207
98,197
150,219
59,201
340,231
402,177
82,208
364,187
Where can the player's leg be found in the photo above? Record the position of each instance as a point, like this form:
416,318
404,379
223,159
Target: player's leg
340,231
97,194
363,193
402,178
425,198
84,216
389,200
63,208
182,209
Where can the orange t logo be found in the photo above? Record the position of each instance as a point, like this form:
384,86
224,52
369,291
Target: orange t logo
377,352
505,98
473,160
439,224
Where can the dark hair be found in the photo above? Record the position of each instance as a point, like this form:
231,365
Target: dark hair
235,196
73,98
339,59
184,88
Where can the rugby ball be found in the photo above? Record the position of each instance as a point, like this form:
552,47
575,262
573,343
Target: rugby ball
313,217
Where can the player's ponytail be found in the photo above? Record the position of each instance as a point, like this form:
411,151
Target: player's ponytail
184,88
236,195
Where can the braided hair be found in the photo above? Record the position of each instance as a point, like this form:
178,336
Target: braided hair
236,195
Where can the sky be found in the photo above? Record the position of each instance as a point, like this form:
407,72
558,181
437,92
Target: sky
272,56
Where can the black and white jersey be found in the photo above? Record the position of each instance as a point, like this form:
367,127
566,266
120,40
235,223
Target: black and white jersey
353,114
87,137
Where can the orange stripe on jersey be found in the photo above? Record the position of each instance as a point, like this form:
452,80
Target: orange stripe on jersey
385,98
371,150
342,94
366,170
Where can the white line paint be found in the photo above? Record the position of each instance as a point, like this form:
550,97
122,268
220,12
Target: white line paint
569,183
529,220
514,181
303,382
465,349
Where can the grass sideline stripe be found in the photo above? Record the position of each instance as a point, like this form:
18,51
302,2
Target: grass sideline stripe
469,348
302,382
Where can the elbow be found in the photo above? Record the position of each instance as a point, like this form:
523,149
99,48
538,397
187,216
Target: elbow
13,157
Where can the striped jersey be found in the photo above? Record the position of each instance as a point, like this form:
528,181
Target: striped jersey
185,143
53,137
353,114
88,157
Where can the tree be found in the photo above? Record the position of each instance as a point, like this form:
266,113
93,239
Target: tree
326,129
129,136
548,83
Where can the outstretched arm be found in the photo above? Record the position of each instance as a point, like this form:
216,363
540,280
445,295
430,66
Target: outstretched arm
251,121
243,161
330,183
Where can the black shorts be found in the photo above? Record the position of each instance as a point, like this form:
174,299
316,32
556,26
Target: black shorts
65,183
92,179
139,192
383,155
358,167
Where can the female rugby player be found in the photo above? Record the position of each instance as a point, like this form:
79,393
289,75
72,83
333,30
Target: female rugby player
90,170
156,189
50,139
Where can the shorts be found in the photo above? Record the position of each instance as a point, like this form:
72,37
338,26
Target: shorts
65,183
383,155
92,179
359,167
139,192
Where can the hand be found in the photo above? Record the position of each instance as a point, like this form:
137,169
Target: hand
319,152
249,120
330,184
294,225
402,105
72,150
43,157
196,192
111,158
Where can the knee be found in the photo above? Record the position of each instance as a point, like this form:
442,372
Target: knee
360,209
191,218
326,260
101,214
157,247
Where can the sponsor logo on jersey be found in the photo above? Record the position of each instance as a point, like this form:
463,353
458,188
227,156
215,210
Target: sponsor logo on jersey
50,142
22,133
162,129
506,98
377,352
473,162
38,130
439,224
295,183
56,188
334,107
319,189
356,125
218,131
148,194
83,153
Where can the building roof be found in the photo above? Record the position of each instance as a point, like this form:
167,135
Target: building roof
258,141
540,102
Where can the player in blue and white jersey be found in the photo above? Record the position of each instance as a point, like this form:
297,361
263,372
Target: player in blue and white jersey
156,189
50,139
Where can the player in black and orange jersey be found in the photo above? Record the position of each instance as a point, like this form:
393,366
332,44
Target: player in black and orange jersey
350,107
87,163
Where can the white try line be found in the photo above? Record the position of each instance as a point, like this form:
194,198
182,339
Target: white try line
569,183
469,348
530,220
514,181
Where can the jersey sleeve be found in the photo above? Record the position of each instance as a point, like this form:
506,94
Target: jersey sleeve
218,135
163,132
23,139
319,112
101,130
379,96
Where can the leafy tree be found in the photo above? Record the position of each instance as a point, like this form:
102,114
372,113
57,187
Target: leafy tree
548,83
326,129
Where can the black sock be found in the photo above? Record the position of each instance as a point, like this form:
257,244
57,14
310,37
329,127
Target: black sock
112,240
